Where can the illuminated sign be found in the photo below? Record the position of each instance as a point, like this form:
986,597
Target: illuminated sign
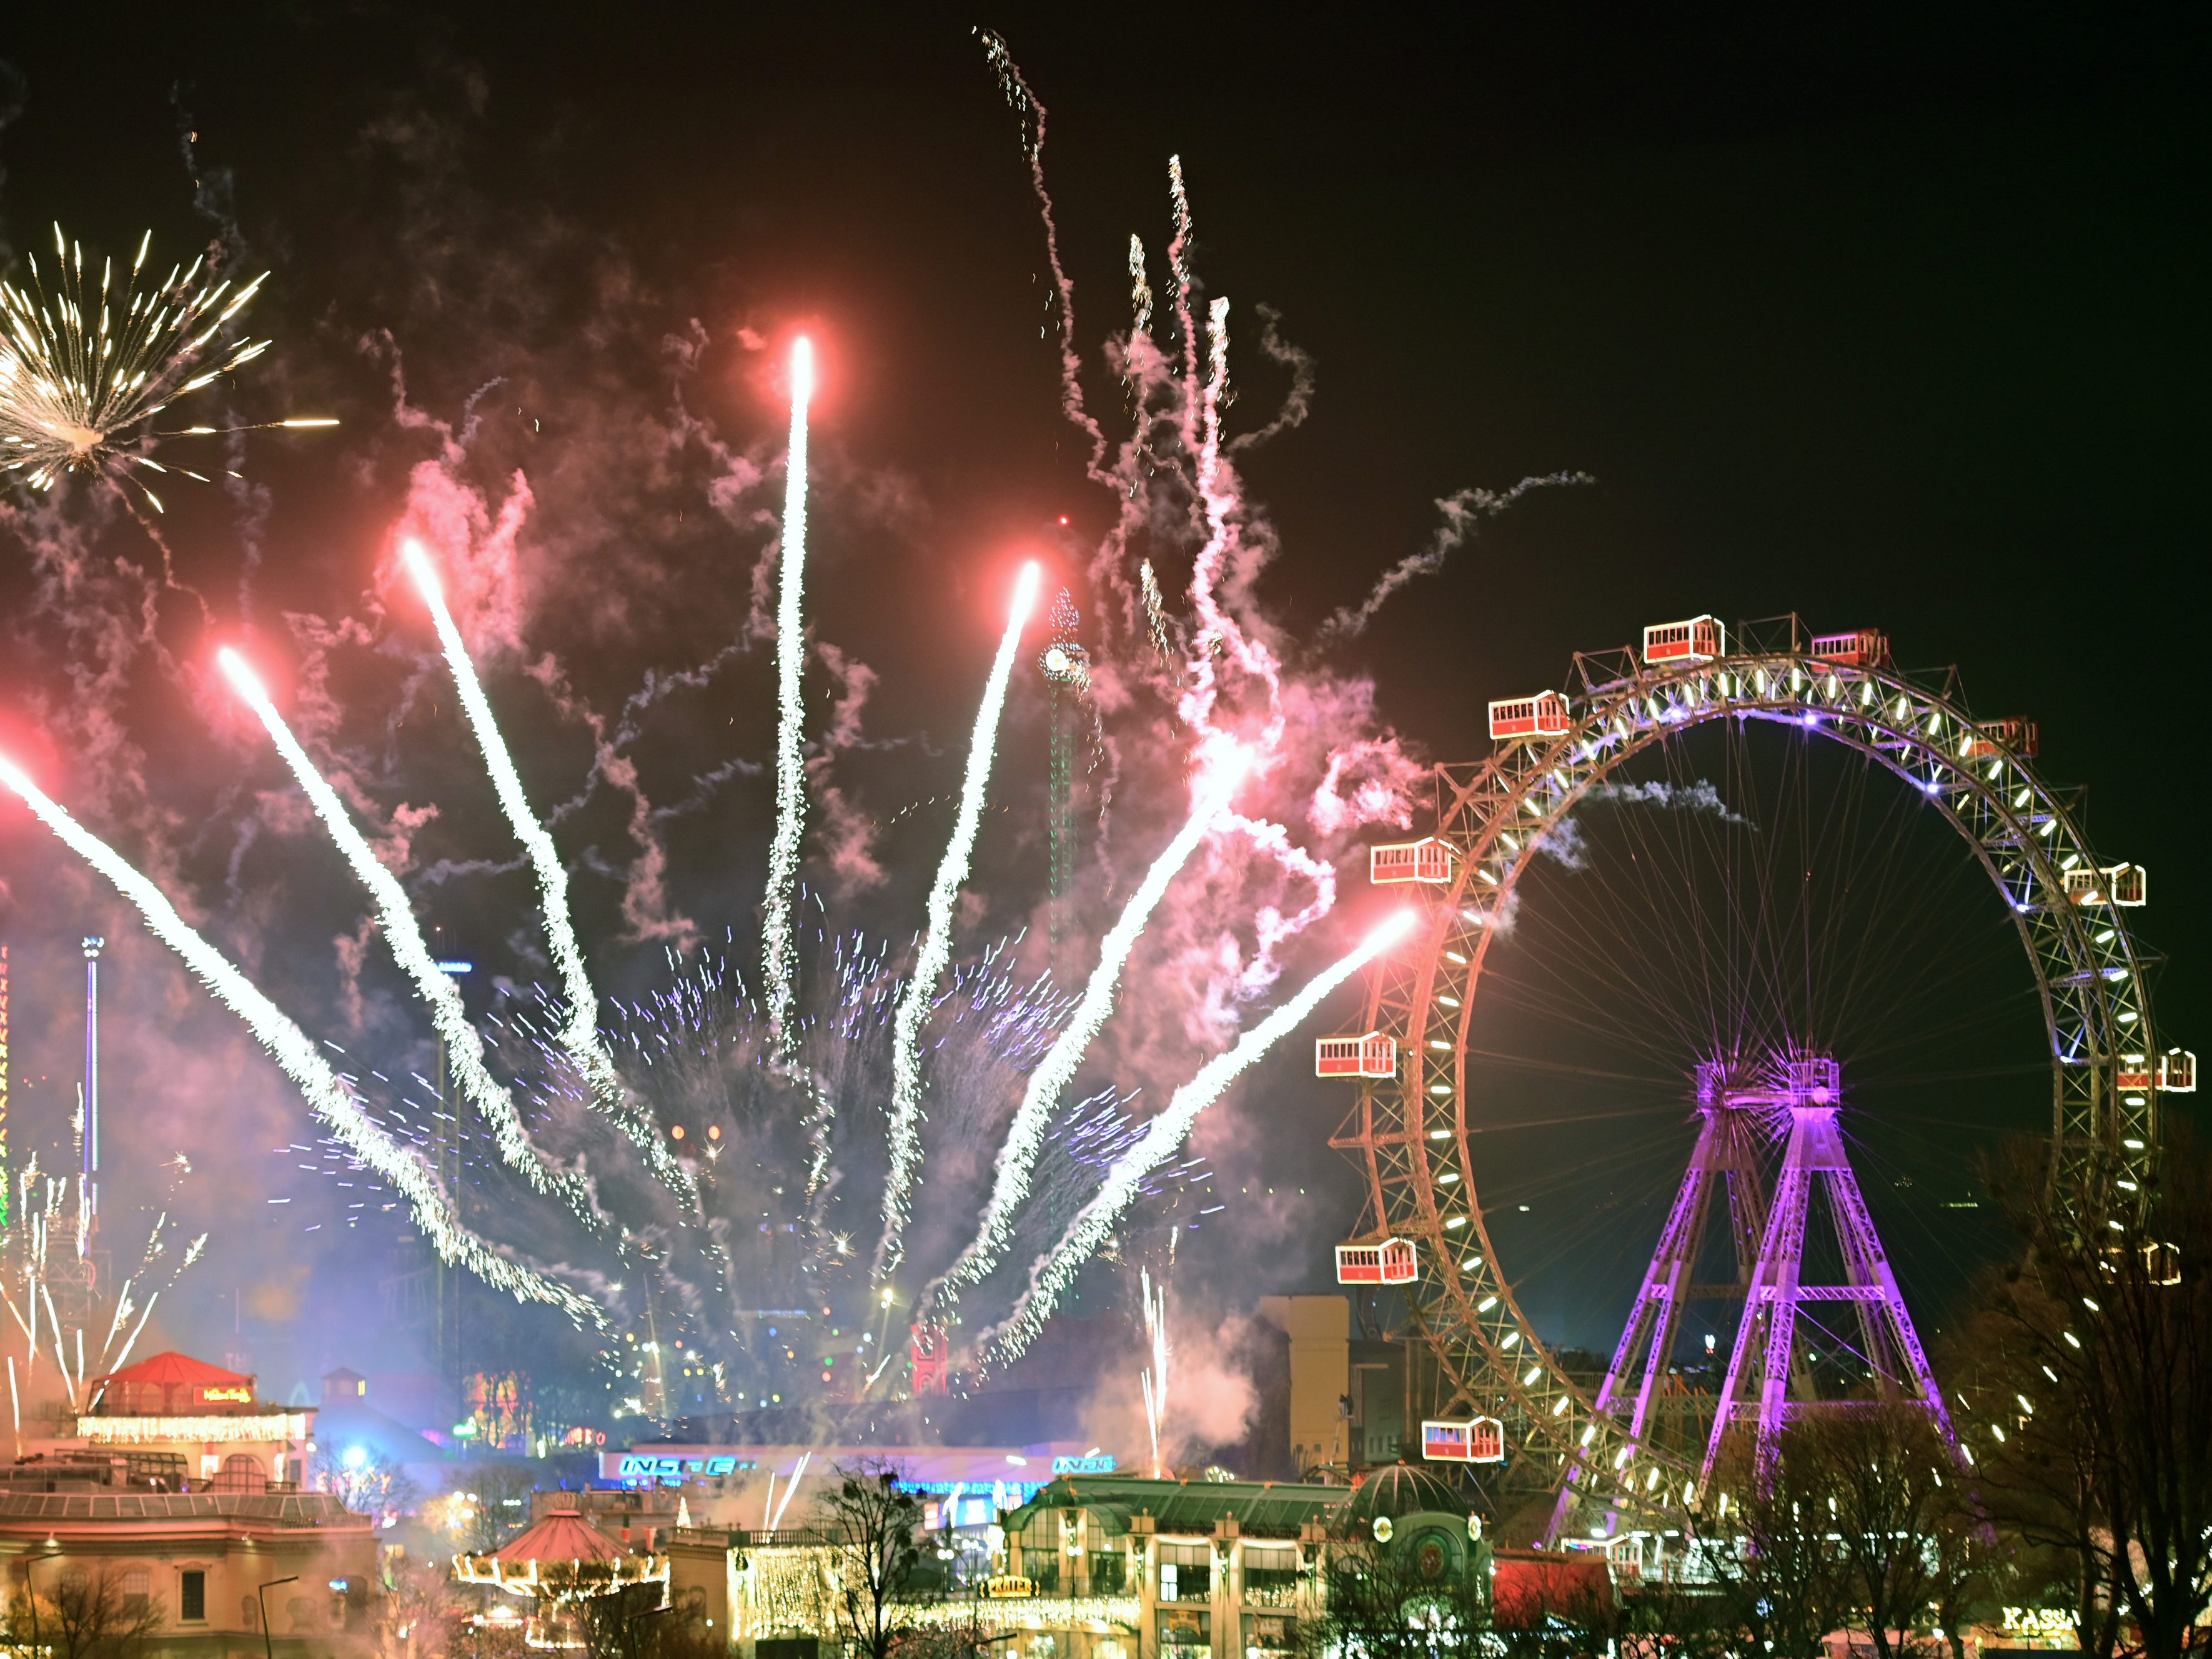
1008,1588
637,1467
227,1395
1083,1465
2038,1621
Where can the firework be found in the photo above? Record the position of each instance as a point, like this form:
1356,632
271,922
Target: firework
1155,1376
85,369
1010,1186
936,952
49,1208
779,960
326,1095
464,1047
579,1035
1163,1136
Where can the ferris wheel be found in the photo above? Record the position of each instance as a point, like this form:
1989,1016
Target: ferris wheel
1704,923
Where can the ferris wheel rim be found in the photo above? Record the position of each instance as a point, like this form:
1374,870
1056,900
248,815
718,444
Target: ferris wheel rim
1461,1291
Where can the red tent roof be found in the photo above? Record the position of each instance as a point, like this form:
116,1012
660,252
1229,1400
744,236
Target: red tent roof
176,1370
563,1535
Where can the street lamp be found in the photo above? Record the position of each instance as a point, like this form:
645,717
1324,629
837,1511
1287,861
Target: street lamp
31,1591
261,1596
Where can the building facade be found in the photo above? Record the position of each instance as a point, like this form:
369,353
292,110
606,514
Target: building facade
203,1564
1092,1567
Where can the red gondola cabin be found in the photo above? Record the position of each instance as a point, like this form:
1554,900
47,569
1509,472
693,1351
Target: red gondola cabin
1390,1262
2014,735
2118,884
1373,1056
1701,639
1544,715
1482,1440
1863,648
1396,863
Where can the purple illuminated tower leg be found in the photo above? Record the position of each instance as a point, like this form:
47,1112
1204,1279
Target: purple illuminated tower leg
1764,1366
1726,1156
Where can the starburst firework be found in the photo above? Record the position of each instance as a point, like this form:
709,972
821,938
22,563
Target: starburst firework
85,366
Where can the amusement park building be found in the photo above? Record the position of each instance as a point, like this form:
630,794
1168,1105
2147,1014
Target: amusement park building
1100,1567
193,1425
204,1563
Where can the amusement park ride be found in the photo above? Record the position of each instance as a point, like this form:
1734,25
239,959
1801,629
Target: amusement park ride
1636,1452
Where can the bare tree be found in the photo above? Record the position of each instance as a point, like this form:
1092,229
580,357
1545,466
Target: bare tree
2088,1408
1386,1603
873,1524
1882,1465
419,1612
85,1614
1772,1544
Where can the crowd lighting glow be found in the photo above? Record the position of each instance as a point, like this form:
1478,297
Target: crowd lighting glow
937,941
580,1034
1026,1133
1163,1136
326,1096
433,978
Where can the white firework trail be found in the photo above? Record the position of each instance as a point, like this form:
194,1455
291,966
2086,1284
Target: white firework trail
1163,1136
579,1035
404,934
919,994
1042,1094
779,954
1155,1376
325,1094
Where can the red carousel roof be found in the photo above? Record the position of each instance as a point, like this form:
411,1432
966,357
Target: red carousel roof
563,1535
174,1370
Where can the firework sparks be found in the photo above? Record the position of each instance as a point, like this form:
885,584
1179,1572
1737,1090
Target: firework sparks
46,1205
936,943
778,958
464,1047
84,369
1010,1186
1162,1138
579,1035
326,1095
1155,1376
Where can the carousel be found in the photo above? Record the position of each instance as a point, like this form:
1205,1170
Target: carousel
562,1565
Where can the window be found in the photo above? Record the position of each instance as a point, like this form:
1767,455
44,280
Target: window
192,1597
1185,1572
1270,1576
1184,1634
1109,1572
137,1591
1265,1634
241,1472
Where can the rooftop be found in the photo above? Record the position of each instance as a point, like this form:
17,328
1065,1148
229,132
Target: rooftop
1263,1509
307,1508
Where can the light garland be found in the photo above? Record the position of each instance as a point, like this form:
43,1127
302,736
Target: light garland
147,1431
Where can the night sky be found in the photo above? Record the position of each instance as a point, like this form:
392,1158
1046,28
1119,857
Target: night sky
1896,325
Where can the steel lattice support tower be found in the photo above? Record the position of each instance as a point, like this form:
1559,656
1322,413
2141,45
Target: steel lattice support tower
1725,1165
93,946
1763,1365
